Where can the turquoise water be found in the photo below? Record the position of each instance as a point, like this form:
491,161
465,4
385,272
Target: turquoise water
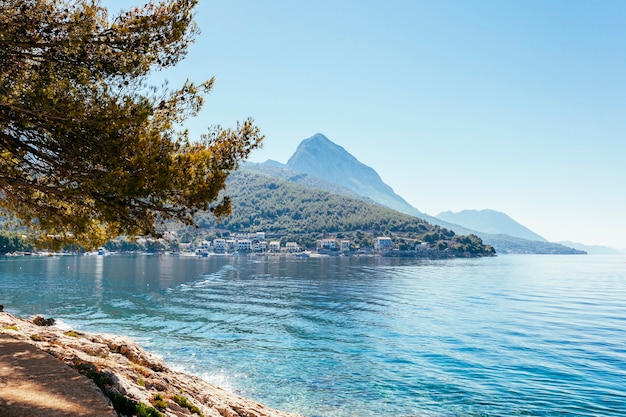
505,336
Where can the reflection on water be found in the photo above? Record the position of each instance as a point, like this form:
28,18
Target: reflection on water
514,335
98,277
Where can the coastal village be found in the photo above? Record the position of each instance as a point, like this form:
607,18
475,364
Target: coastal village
254,243
257,243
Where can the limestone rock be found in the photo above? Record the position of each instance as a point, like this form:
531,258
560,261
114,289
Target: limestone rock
121,367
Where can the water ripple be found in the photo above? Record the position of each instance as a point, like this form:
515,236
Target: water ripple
525,335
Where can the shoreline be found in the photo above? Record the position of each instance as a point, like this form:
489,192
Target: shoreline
129,376
428,254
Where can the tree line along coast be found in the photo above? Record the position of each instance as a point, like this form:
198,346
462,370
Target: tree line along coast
445,245
274,216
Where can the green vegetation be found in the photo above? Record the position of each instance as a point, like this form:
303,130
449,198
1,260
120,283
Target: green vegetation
89,150
132,245
144,410
288,211
12,327
127,407
292,212
72,333
508,244
13,242
158,401
272,205
123,406
183,402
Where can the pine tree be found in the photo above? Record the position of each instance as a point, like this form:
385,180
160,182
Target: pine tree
89,150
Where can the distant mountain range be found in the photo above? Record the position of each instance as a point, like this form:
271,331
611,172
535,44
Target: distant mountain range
290,211
491,222
330,167
593,249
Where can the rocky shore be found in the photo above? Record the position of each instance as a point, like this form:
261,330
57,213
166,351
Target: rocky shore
132,380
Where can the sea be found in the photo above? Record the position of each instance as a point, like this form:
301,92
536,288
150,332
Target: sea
512,335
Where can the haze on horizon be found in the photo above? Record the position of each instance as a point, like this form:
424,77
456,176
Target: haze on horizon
516,106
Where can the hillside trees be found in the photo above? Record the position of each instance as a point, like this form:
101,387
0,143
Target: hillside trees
303,215
11,242
88,150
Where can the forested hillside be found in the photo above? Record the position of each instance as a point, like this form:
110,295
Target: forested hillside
294,212
307,180
323,164
12,241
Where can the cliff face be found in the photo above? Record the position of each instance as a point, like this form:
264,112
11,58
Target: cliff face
131,378
320,157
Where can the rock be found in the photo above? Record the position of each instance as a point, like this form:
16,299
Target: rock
88,368
130,375
159,384
40,321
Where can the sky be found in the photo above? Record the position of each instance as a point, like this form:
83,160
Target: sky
517,106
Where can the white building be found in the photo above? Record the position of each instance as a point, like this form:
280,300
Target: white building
260,246
275,246
329,244
344,246
244,245
383,243
219,245
292,247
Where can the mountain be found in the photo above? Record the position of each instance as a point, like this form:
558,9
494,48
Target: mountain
490,221
294,212
593,249
506,244
272,163
271,169
320,157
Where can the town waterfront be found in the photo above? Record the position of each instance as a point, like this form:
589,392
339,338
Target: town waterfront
363,336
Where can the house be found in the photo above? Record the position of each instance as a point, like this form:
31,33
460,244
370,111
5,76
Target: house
383,243
244,245
292,247
186,247
329,244
275,246
344,246
219,245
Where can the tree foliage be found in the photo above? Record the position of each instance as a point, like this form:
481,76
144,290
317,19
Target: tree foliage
303,214
12,242
89,150
274,205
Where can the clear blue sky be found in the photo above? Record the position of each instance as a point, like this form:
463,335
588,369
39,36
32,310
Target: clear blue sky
516,106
